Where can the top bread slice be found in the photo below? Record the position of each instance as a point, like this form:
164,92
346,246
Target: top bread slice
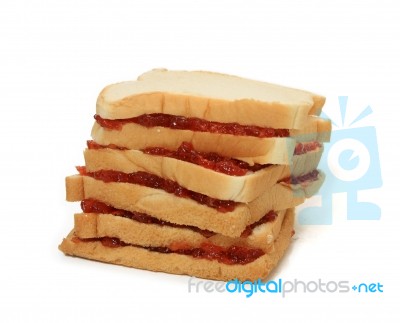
209,96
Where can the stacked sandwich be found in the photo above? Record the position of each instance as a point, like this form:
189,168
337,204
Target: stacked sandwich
196,173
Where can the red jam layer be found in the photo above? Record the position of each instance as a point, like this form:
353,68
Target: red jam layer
305,147
193,124
269,217
233,255
153,181
309,177
94,206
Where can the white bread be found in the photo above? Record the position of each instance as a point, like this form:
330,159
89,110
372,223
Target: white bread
168,207
181,264
209,96
197,178
93,225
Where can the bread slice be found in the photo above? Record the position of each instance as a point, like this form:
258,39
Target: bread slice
197,178
141,258
209,96
168,207
250,149
95,225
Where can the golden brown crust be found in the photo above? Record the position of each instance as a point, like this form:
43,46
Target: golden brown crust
93,225
210,96
168,207
180,264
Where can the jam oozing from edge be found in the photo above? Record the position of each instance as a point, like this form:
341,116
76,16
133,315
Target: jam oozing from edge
193,124
309,177
305,147
94,206
233,255
153,181
269,217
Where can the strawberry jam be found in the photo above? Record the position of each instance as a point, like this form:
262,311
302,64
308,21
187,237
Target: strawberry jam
269,217
193,124
153,181
309,177
233,255
305,147
94,206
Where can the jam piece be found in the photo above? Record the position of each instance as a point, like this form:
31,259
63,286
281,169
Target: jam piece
112,242
193,124
305,147
91,144
153,181
233,255
94,206
309,177
269,217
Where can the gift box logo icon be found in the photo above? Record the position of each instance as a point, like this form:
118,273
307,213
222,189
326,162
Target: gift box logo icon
351,164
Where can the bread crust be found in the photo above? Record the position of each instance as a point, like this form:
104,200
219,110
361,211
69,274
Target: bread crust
168,207
94,225
181,264
197,178
209,96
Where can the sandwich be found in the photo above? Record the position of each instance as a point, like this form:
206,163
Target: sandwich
196,173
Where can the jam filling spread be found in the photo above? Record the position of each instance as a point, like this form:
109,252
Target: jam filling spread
193,124
233,255
153,181
269,217
213,161
309,177
95,206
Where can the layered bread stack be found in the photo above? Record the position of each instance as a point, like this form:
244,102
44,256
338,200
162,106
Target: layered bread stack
196,173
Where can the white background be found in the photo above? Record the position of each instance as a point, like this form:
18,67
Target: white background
55,58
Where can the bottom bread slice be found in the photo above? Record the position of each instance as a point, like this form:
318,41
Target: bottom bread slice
141,258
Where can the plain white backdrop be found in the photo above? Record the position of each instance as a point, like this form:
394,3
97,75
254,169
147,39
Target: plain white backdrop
55,58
